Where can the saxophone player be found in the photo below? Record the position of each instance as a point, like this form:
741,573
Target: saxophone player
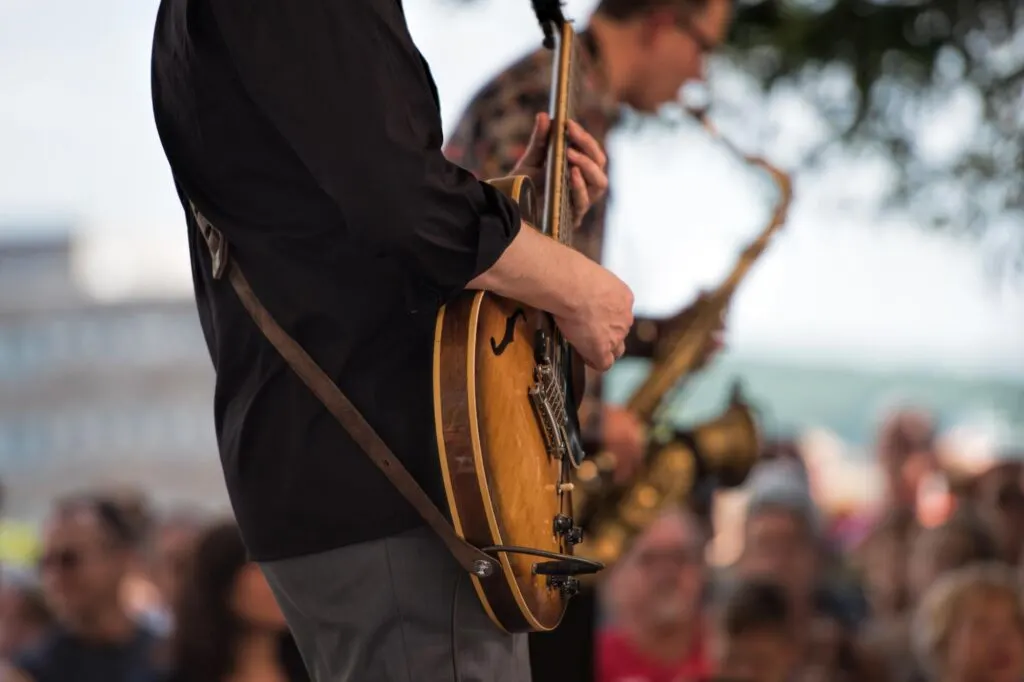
635,53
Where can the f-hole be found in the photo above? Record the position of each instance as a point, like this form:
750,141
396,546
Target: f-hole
510,331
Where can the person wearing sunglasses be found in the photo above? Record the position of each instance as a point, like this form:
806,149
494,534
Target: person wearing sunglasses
87,553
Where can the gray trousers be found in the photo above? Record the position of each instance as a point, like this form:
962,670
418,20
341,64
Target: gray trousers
398,609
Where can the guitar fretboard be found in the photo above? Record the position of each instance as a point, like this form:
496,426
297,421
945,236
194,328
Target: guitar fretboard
566,91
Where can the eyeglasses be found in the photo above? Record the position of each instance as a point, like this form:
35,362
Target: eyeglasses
705,44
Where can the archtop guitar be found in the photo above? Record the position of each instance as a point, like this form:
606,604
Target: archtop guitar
507,388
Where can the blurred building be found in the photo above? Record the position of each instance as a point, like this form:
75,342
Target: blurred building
98,392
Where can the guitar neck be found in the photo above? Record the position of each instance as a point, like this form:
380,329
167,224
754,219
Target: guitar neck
564,94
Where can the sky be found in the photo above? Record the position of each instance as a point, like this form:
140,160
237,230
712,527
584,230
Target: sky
78,147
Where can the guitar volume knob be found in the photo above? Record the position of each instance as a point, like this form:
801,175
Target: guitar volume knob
562,524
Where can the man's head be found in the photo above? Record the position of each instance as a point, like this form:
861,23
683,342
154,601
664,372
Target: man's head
754,634
781,535
659,582
999,498
661,45
906,452
87,551
171,549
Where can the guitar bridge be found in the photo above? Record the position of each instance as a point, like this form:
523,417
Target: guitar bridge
548,402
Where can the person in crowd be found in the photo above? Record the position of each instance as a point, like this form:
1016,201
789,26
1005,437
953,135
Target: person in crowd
882,562
782,541
753,634
998,498
169,552
139,594
87,552
781,534
228,625
963,540
969,626
907,454
654,600
24,616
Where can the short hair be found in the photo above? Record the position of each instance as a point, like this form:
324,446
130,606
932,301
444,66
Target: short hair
779,486
623,10
111,517
756,606
679,512
135,509
942,606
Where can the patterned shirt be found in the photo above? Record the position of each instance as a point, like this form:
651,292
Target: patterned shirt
495,128
493,134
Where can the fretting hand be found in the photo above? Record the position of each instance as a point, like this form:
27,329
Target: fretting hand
601,315
587,163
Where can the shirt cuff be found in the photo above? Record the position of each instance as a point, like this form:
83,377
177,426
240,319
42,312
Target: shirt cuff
498,227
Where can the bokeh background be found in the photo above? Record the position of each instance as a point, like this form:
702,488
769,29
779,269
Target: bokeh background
895,289
896,281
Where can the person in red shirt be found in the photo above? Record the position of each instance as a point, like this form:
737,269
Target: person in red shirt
654,595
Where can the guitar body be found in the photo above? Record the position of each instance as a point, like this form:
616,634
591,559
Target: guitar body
504,486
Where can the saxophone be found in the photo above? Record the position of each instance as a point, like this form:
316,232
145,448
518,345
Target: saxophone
723,449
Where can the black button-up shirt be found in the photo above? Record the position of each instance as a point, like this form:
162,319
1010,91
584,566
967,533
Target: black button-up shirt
309,133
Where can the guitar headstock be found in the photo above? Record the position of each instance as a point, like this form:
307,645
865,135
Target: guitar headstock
549,14
559,37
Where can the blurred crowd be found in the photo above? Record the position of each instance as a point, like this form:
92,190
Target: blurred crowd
120,592
122,595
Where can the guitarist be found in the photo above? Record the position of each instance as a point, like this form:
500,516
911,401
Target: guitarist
637,53
304,140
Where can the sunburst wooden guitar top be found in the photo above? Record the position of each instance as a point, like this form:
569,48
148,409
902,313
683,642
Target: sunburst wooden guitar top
506,389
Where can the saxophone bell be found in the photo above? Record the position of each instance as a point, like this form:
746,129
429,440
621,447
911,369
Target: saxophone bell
728,446
721,450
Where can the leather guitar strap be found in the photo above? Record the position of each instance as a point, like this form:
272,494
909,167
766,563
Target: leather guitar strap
469,557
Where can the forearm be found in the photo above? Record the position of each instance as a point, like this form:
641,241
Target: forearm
538,271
